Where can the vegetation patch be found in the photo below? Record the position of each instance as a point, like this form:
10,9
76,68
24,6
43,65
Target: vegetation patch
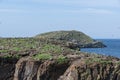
98,60
61,59
11,56
3,51
49,48
67,36
16,49
42,57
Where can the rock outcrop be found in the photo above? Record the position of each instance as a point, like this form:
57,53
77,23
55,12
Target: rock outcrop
95,44
96,71
38,70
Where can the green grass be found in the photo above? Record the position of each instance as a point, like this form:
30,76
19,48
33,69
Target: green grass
42,57
118,62
16,49
3,51
45,49
28,45
61,59
66,35
98,60
11,56
49,48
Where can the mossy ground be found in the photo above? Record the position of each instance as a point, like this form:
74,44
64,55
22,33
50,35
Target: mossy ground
39,49
42,49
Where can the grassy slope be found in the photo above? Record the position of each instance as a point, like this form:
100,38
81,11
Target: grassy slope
66,35
43,50
17,47
40,46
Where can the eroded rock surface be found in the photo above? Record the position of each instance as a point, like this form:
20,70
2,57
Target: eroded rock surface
96,71
81,67
27,69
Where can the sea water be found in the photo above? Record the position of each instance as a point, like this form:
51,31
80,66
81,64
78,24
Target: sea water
112,49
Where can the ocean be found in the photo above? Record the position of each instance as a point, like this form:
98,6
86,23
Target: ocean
112,49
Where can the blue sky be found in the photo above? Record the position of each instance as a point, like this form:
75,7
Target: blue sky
26,18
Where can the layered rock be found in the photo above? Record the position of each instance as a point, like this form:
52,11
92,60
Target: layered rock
95,71
27,69
79,67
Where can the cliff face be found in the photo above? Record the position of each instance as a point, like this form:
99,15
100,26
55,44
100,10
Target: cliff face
37,70
95,71
78,67
29,69
7,68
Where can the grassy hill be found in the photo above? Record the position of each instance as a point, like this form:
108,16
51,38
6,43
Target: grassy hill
66,36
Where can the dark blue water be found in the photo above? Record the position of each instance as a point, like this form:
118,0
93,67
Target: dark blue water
113,48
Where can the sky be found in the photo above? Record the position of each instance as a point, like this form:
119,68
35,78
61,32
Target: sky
27,18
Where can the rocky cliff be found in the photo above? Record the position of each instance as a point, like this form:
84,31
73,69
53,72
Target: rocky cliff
78,67
46,59
95,71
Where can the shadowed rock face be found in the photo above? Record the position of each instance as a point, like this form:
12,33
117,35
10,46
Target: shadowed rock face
79,67
7,68
37,70
28,69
